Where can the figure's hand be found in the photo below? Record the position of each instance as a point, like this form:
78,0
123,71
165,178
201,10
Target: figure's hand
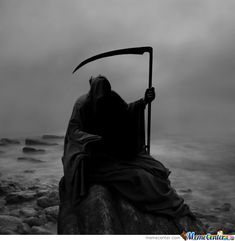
149,95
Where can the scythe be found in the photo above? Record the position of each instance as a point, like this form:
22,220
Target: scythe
137,50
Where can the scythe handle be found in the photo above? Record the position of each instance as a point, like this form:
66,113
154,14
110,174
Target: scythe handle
149,105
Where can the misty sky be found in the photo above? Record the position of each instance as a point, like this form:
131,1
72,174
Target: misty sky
41,41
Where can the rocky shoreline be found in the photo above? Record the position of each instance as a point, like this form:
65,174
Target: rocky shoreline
31,209
29,200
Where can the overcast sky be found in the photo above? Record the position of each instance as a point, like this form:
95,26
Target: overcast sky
41,41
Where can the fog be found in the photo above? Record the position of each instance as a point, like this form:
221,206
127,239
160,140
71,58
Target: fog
194,61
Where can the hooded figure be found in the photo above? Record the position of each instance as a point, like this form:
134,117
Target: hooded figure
105,144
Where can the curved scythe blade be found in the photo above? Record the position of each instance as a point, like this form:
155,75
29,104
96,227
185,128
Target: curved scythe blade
137,50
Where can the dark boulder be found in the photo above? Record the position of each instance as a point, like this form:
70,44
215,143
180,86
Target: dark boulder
29,159
7,187
32,142
7,141
32,150
103,212
33,221
19,197
49,200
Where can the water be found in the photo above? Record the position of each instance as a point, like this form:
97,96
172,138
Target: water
204,165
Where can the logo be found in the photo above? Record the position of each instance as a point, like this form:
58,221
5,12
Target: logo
219,236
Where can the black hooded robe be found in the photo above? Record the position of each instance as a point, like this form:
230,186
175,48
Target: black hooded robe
118,158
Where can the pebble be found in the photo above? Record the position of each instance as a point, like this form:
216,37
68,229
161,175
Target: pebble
51,199
29,171
186,190
33,221
52,212
18,197
11,225
27,212
39,230
15,213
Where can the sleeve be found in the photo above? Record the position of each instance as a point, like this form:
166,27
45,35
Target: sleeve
76,132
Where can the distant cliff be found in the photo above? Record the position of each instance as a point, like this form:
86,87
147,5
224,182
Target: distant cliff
102,212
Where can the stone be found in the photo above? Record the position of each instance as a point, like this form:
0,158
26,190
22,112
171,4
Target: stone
12,225
185,190
8,187
49,200
40,230
29,171
33,221
32,150
19,197
29,159
27,212
42,192
52,212
15,213
2,203
38,142
115,215
226,207
7,141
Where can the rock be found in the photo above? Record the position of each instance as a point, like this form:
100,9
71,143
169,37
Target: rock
15,213
52,137
115,215
2,203
51,199
52,212
28,212
225,207
40,230
208,217
29,159
42,192
29,171
33,221
7,141
185,190
8,187
4,188
38,142
32,150
19,197
12,225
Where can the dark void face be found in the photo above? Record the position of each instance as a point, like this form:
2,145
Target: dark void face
100,87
